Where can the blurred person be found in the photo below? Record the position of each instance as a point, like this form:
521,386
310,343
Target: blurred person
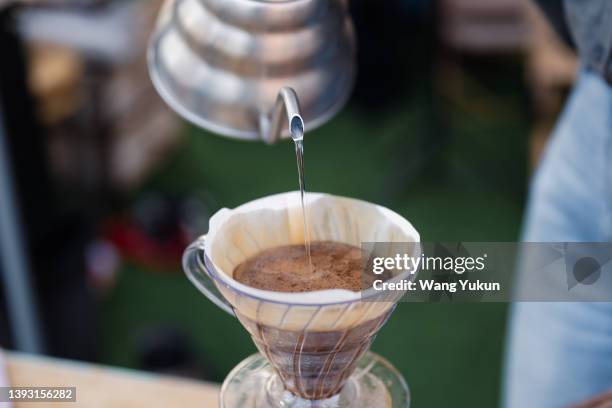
560,354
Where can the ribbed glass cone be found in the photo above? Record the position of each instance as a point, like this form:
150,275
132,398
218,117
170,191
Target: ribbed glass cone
314,363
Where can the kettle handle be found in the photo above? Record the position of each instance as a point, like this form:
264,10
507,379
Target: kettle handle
196,270
270,126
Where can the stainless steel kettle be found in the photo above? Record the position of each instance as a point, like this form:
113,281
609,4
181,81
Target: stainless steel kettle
222,64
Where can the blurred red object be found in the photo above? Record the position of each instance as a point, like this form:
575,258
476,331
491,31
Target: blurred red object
158,228
135,244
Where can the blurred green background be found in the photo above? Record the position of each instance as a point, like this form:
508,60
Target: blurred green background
453,160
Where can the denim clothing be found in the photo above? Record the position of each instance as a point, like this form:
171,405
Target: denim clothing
561,353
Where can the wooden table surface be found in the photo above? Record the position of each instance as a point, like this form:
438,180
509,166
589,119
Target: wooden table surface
101,386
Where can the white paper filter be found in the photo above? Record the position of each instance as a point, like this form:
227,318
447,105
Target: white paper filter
235,235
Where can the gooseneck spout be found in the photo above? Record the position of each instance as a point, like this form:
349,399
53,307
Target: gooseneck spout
287,103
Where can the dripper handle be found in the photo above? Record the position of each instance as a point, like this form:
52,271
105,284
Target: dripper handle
197,272
287,103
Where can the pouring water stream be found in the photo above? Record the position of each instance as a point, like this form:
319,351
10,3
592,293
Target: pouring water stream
287,106
296,129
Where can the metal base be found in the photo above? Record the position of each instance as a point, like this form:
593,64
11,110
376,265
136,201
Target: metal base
375,383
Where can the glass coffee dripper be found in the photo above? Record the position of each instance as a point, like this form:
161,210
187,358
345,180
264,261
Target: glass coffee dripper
314,345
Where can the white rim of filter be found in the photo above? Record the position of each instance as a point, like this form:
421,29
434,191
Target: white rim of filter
313,298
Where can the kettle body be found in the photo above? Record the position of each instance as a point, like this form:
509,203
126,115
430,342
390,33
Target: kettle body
221,63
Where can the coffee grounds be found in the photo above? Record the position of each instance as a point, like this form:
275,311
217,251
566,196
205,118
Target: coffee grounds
287,269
